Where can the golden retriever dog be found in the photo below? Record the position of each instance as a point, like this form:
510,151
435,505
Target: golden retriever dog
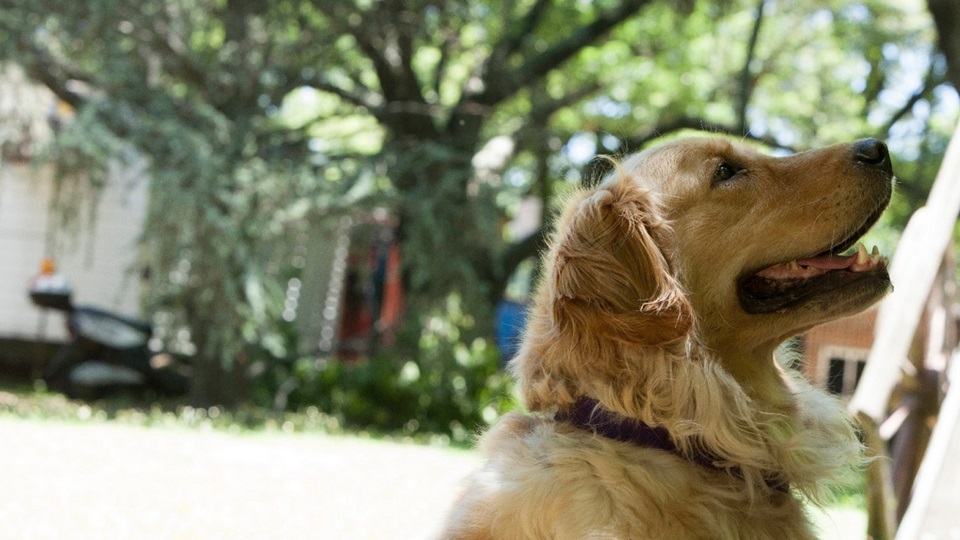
656,407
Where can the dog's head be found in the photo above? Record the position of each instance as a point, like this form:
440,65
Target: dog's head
706,234
760,240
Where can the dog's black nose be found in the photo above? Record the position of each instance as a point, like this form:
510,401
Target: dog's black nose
871,152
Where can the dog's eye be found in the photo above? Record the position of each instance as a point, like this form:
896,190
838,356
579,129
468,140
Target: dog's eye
724,172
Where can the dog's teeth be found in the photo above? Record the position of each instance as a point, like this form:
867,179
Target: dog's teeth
875,255
862,256
792,265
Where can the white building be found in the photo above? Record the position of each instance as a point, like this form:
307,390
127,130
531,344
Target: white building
97,253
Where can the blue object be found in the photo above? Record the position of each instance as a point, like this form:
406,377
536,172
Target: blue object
510,318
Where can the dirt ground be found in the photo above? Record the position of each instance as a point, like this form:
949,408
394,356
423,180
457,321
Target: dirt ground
102,481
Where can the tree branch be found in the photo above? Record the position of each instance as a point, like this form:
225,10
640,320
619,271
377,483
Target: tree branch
930,81
160,34
746,75
351,22
946,17
596,168
370,100
405,31
544,108
541,64
631,144
441,68
388,45
500,83
512,41
54,75
79,89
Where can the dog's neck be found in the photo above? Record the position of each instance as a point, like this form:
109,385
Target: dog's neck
589,415
743,416
758,373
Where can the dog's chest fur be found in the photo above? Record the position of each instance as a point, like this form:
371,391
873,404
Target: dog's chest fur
552,481
545,479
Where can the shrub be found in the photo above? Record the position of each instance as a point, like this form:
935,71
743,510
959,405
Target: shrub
445,384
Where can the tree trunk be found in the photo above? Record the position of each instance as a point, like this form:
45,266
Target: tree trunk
946,17
219,376
214,384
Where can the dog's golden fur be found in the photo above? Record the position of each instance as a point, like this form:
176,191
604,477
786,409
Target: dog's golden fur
638,309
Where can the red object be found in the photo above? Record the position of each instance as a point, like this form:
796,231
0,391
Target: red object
391,311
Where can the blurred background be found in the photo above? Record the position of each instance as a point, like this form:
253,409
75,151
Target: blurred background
336,206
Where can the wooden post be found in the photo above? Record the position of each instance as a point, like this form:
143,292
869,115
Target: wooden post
913,272
881,510
914,268
917,393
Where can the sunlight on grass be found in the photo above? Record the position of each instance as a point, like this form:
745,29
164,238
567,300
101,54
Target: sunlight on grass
179,437
36,403
846,517
840,523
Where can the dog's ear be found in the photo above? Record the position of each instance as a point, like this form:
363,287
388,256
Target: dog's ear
610,277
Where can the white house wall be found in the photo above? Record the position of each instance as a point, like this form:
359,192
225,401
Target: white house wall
99,258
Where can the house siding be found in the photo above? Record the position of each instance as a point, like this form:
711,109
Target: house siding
97,255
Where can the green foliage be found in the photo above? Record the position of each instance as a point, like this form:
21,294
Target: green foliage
444,385
82,161
36,403
259,120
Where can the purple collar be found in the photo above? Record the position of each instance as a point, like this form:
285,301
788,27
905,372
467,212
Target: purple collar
587,414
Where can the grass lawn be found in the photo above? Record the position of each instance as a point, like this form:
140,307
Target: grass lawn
70,471
99,480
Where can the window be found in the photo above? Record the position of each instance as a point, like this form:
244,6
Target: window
843,374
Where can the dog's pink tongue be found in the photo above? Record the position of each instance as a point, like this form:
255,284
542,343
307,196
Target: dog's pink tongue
858,261
808,268
829,262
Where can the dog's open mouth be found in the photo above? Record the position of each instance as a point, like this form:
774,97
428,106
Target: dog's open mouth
788,284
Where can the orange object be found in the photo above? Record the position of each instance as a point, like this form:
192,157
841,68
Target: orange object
49,289
47,266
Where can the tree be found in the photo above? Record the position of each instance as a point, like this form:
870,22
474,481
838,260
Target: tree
946,16
262,116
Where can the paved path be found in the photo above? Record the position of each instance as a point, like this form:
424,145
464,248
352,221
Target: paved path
102,481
